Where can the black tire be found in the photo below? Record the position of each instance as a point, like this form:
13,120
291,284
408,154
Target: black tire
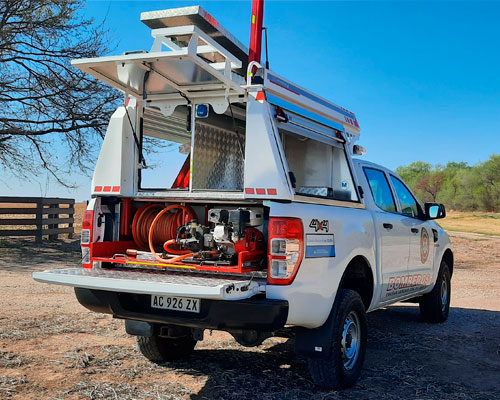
159,349
339,371
435,305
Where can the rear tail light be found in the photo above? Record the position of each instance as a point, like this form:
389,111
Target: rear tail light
286,250
86,238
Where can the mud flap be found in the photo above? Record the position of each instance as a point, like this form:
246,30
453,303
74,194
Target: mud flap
138,328
317,342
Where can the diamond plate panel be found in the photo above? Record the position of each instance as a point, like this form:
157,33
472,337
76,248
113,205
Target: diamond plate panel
147,276
314,190
148,282
217,162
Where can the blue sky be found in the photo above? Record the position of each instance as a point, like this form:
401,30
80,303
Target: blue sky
423,78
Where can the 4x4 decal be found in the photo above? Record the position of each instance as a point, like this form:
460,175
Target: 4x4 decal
318,225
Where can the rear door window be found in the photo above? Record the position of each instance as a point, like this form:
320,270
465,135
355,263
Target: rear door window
381,191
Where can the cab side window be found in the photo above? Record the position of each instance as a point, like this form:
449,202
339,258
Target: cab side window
380,189
409,206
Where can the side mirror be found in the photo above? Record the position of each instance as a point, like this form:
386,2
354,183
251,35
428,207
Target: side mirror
434,211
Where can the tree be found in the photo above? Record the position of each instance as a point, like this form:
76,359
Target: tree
430,185
450,188
413,173
457,185
489,176
52,115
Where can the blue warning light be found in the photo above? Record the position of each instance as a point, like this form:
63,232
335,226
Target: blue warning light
202,111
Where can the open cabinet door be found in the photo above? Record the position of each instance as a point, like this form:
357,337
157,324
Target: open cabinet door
203,65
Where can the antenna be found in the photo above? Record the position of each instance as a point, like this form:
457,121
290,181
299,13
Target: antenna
267,51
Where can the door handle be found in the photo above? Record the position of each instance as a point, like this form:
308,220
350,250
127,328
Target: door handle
414,230
387,225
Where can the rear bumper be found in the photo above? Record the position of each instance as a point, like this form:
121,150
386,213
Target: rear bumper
254,313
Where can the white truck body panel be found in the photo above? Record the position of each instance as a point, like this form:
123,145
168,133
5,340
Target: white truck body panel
312,293
116,172
399,249
263,153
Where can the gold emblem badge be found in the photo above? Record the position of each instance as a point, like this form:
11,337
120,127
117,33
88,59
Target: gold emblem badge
424,246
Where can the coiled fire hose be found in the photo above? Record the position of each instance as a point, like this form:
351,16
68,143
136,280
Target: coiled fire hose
167,225
154,225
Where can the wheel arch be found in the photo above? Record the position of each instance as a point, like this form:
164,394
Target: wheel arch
448,258
316,342
358,276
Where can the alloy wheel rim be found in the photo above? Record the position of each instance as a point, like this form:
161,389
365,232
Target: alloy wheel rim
351,340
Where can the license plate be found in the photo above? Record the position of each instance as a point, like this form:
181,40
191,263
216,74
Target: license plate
175,303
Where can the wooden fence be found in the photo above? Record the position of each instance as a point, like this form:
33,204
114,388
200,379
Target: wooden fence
38,216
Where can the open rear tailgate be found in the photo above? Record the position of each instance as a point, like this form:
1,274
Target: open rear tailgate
153,282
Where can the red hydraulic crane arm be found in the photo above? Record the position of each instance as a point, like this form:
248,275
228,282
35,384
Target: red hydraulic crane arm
256,31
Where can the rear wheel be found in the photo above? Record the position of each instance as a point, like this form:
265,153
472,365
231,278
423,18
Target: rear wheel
343,366
157,348
435,306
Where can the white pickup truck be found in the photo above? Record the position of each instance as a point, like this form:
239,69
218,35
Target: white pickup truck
227,197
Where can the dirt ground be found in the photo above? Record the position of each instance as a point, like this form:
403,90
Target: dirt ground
52,348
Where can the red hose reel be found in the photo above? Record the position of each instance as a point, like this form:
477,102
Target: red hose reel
155,226
165,227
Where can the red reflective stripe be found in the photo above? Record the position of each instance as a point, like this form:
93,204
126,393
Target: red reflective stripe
98,189
249,190
260,191
107,189
272,192
116,188
212,20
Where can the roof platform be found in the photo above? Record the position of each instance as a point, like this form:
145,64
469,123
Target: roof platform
197,16
195,60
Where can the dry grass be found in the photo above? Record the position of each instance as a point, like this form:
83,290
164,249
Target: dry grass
474,222
79,210
52,348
